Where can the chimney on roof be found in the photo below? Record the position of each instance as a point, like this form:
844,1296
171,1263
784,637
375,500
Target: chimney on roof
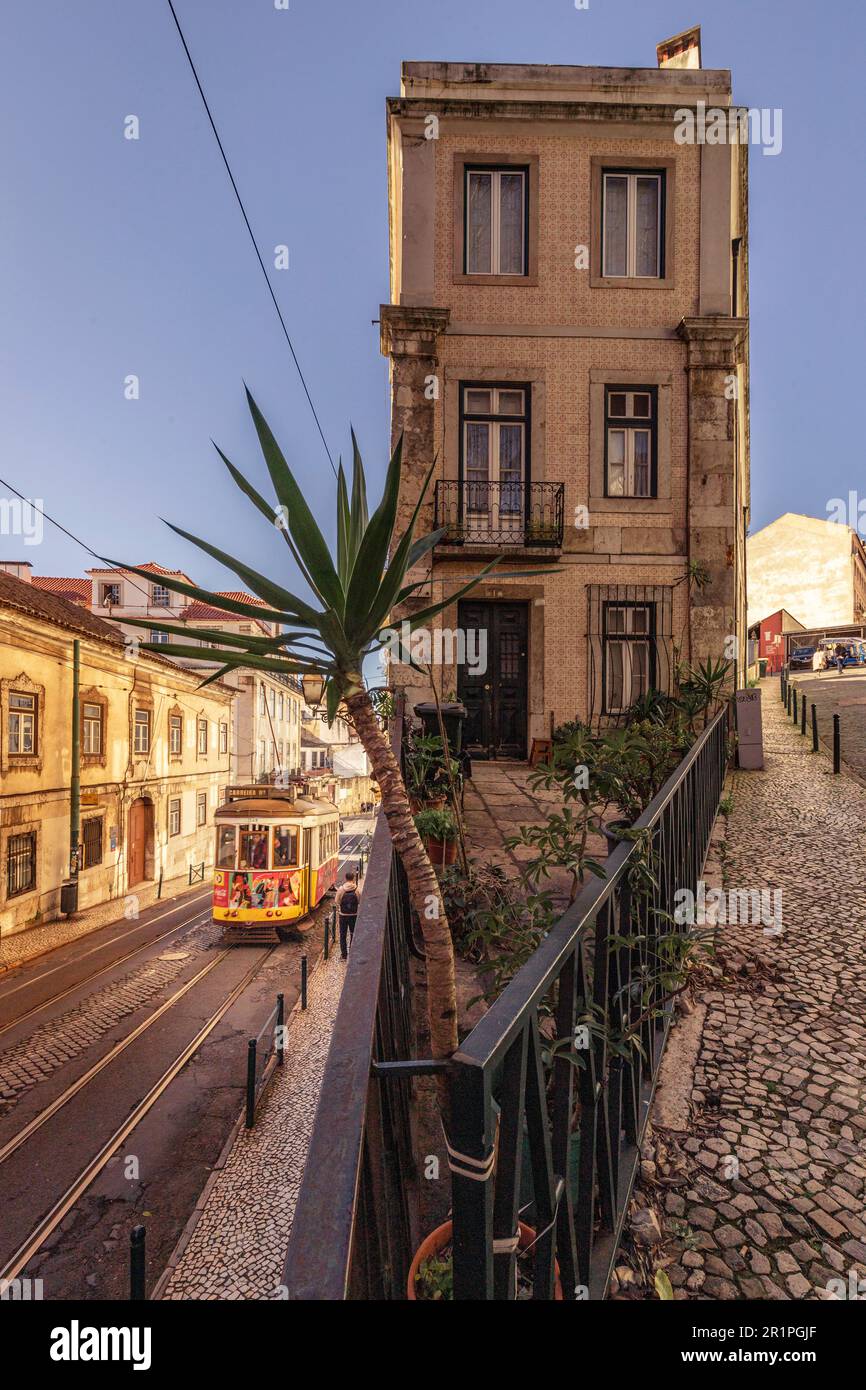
19,569
682,51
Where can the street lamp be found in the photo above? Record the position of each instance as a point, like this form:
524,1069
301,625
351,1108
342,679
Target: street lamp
313,685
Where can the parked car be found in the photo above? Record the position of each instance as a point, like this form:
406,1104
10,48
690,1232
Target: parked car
801,658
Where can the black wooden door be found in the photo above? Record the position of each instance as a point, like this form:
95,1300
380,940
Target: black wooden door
495,697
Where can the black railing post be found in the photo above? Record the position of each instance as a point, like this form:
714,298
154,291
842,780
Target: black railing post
782,683
794,716
281,1028
803,716
137,1265
304,980
251,1083
837,744
790,690
471,1190
814,728
327,950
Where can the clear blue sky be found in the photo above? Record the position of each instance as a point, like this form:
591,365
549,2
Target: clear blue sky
130,257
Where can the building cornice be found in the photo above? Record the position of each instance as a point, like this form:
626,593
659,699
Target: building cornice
406,331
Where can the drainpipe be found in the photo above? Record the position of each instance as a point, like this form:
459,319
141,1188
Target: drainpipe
69,889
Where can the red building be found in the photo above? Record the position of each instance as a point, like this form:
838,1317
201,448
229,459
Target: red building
770,634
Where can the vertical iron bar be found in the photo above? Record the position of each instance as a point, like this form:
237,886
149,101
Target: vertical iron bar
471,1198
251,1083
304,980
281,1027
814,728
837,744
803,716
137,1265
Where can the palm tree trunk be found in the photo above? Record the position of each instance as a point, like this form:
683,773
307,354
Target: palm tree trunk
424,893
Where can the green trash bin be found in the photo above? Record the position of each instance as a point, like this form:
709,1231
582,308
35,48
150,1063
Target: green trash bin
453,715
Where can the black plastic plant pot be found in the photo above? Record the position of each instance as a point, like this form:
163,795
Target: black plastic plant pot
453,715
613,833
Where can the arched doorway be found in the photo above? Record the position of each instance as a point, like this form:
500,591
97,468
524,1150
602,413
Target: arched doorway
140,841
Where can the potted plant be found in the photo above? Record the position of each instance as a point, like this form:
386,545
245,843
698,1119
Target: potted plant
431,1274
438,831
426,772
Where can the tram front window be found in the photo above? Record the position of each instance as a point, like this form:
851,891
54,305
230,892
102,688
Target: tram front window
225,852
285,846
254,848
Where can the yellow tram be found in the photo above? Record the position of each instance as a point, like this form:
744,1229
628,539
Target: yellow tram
276,857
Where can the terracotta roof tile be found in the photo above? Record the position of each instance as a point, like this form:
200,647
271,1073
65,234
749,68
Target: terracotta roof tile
76,590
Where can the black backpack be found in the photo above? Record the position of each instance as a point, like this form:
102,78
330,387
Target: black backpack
349,903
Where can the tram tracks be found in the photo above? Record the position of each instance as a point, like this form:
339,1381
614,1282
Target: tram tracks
197,919
82,1181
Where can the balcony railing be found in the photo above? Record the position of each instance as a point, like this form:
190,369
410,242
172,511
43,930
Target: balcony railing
500,513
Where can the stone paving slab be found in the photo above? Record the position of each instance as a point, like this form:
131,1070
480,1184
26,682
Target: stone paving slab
498,801
235,1243
764,1195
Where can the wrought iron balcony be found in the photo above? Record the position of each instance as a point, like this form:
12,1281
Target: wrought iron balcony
500,513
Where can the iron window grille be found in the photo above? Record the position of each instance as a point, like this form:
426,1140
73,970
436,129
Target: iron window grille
21,864
91,842
629,634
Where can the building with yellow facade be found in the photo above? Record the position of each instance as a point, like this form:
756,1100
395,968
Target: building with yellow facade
155,754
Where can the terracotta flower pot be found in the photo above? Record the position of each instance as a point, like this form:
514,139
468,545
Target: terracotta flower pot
438,1239
441,852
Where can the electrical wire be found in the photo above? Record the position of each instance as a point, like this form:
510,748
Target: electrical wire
252,235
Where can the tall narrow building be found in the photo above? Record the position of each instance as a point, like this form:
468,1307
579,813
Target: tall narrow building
567,337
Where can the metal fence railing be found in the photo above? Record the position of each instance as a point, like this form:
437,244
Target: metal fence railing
265,1052
352,1231
557,1143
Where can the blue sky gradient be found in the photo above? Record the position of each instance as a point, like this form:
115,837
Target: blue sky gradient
131,256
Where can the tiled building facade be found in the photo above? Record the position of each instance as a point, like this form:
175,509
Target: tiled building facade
568,338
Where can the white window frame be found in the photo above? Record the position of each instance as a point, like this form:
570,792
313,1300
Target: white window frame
201,808
631,272
175,727
629,425
141,731
174,814
224,738
23,719
629,641
156,596
202,737
495,175
88,722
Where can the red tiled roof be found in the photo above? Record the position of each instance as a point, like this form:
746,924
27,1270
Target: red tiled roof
54,608
150,566
76,590
240,597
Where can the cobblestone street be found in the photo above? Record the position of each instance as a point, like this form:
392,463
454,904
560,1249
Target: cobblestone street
763,1196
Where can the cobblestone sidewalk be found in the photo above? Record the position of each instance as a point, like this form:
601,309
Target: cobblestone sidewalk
235,1244
764,1196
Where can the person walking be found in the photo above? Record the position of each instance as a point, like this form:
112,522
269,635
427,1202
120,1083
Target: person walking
347,902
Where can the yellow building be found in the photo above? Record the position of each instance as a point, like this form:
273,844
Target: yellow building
814,567
568,339
155,753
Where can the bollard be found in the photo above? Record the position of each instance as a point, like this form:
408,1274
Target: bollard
333,925
837,745
790,690
304,980
137,1292
795,707
782,683
281,1028
251,1083
803,717
327,934
814,728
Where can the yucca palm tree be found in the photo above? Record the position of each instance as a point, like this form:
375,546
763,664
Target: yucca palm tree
357,594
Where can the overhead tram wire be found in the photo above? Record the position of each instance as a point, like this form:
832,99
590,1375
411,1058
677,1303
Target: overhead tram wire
252,235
